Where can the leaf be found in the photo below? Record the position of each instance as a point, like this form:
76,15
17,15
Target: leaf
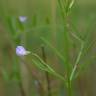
77,62
55,50
44,66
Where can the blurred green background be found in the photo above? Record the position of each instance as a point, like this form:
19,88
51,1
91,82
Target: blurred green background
44,19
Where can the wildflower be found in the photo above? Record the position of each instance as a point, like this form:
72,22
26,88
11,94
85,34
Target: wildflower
21,51
22,18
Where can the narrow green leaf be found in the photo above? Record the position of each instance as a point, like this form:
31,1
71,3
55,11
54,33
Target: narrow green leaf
62,8
45,67
54,50
77,62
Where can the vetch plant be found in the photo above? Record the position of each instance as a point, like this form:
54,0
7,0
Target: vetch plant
71,71
20,51
69,77
42,65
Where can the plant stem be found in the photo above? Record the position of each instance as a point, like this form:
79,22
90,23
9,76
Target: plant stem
46,73
69,87
23,93
38,84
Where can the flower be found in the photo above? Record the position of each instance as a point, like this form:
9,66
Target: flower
22,18
21,51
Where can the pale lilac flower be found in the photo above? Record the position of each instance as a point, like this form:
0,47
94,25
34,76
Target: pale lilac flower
22,18
21,51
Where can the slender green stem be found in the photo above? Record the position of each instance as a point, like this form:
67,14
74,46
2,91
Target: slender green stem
66,46
69,87
46,73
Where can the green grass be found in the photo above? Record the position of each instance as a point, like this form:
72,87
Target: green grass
67,33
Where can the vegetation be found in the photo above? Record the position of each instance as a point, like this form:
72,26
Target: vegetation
60,38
